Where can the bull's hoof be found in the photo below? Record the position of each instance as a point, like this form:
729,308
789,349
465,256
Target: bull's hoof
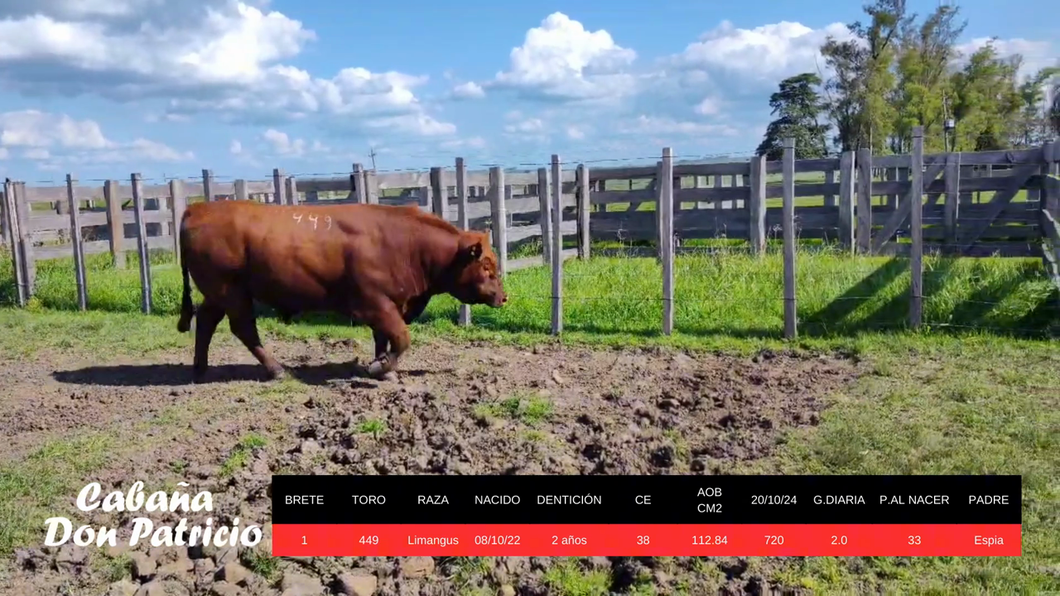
278,374
198,378
377,369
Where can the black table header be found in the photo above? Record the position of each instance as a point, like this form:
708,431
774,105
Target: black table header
646,499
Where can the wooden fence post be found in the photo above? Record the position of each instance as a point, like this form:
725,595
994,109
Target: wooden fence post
464,316
141,245
546,215
75,237
291,190
667,217
499,217
12,231
115,222
846,200
788,223
371,187
180,202
278,187
891,175
659,232
916,225
557,246
583,201
29,260
756,205
951,209
829,178
5,226
240,190
1052,168
357,184
440,200
207,185
864,211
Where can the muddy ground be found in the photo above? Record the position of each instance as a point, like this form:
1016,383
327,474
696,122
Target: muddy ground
456,409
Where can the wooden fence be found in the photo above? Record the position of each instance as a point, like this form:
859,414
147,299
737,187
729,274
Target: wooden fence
862,202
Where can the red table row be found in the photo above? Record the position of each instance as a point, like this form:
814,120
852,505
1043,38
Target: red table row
386,540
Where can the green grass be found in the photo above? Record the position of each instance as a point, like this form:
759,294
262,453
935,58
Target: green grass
528,409
718,297
977,391
373,427
237,460
44,484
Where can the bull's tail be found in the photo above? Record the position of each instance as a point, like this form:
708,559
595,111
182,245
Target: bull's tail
187,309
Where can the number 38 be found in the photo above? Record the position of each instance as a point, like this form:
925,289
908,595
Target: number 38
642,540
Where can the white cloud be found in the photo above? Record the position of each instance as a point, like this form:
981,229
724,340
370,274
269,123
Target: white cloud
281,144
529,126
469,90
710,106
576,133
59,137
235,148
766,53
33,128
221,56
4,153
561,59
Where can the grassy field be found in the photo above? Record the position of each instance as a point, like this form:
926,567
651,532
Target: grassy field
977,392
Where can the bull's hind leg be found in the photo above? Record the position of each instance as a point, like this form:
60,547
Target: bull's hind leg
209,315
244,325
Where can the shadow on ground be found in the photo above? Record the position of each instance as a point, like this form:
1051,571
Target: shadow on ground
174,375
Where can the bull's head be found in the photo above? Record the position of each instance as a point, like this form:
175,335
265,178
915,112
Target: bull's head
477,280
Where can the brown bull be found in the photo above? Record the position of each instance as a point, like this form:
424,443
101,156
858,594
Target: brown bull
378,265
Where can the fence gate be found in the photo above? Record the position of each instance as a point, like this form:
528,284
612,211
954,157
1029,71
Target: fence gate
935,166
967,236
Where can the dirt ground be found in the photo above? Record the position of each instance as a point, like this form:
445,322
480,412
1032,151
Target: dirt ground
455,409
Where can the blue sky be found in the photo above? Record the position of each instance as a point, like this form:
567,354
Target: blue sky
103,88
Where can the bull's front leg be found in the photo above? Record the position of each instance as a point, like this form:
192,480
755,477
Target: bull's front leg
380,343
388,327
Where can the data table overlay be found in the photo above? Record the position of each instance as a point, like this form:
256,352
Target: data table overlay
666,515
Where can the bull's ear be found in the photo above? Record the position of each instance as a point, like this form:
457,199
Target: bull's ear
474,251
470,248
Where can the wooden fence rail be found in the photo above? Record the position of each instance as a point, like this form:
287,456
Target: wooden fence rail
866,204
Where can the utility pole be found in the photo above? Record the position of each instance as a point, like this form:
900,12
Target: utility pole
372,154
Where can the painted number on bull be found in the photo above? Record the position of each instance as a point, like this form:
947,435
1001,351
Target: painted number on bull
313,218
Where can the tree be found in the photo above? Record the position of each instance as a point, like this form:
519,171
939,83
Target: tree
797,107
923,87
859,91
1033,124
1054,109
988,102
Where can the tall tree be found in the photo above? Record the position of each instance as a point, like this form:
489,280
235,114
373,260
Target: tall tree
923,89
797,107
858,93
987,102
1054,108
1033,126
